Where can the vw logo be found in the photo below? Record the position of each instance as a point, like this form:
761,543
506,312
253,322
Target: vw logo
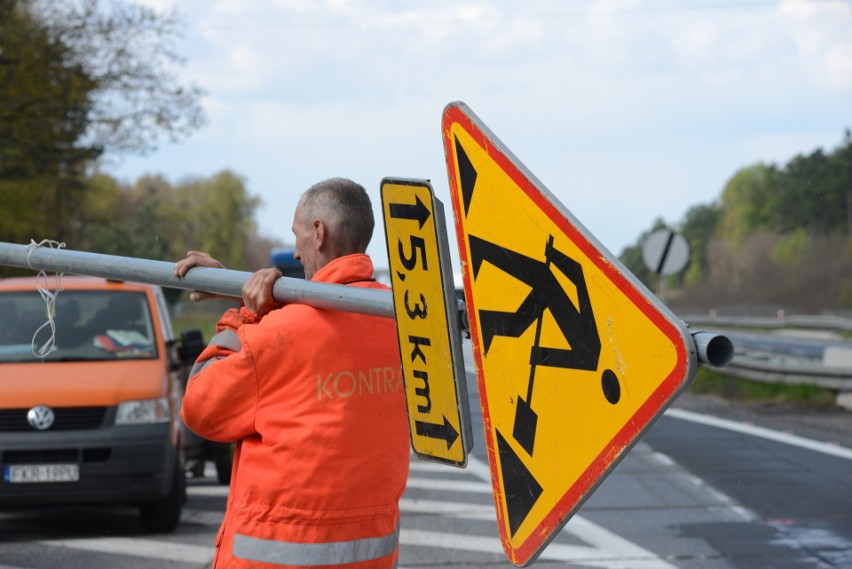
40,417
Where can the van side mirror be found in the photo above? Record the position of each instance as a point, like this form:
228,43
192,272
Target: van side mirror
191,345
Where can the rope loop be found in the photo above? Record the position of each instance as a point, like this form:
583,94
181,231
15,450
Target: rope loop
49,296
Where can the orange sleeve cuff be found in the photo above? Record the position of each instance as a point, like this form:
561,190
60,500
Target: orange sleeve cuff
249,316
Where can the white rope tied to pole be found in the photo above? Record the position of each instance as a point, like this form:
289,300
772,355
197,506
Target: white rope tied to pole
48,296
287,290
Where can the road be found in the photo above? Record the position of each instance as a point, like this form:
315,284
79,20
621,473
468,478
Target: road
794,493
711,486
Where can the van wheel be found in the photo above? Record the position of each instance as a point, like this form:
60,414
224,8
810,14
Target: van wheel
224,464
163,516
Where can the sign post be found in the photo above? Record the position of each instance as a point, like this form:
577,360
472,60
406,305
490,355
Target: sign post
427,321
665,253
575,358
219,281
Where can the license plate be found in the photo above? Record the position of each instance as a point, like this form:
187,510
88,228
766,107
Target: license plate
24,473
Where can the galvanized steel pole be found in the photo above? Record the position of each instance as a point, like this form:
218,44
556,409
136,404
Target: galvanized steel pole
219,281
712,349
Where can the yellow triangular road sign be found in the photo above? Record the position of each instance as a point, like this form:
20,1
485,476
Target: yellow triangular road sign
574,357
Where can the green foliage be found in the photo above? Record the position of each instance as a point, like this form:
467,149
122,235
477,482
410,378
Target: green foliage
155,220
844,297
699,226
790,250
204,321
223,221
777,235
811,193
79,78
127,50
745,202
45,98
713,382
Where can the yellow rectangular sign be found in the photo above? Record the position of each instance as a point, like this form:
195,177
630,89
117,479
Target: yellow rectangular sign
427,321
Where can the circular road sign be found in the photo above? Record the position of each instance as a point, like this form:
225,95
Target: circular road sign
665,252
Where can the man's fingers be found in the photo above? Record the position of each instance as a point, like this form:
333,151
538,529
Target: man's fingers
195,259
257,292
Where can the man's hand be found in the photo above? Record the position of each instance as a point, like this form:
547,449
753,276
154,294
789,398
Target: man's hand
257,292
198,259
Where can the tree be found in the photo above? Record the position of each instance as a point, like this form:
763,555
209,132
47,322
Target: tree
153,219
813,193
699,227
779,236
745,202
128,51
45,97
219,217
79,78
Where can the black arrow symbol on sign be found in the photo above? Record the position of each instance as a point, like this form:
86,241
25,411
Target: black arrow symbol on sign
418,211
437,431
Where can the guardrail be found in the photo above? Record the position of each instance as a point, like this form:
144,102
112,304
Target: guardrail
781,366
838,379
811,322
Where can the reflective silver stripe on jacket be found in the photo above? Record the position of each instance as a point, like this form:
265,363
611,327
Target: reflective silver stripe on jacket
227,339
314,554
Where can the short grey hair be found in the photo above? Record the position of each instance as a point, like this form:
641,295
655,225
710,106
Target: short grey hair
345,207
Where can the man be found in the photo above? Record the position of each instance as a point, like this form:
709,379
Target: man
315,402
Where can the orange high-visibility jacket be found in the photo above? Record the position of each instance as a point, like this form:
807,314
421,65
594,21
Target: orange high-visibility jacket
315,400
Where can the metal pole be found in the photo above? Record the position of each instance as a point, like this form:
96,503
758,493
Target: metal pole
219,281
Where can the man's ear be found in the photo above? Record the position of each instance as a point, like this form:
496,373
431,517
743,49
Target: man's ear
320,234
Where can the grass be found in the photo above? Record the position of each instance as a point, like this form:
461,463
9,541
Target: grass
712,382
204,322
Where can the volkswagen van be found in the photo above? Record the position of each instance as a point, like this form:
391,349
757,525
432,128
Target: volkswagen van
90,398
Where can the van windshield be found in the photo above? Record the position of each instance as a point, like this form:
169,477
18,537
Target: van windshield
90,325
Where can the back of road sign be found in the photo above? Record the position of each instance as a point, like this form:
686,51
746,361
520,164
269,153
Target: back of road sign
665,252
427,321
574,357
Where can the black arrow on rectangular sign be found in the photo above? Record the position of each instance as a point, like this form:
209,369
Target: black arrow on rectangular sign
444,431
418,211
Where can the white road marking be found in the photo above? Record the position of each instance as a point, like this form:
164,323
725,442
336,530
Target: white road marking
215,491
453,509
449,485
418,465
604,549
147,548
769,434
608,550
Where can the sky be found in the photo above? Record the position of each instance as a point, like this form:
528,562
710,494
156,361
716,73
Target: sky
626,110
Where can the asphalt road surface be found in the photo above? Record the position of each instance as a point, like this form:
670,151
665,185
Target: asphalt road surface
711,486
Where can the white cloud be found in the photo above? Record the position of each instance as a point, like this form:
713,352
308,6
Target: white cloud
822,32
838,67
230,8
626,109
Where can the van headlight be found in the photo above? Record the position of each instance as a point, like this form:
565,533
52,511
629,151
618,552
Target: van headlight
144,411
